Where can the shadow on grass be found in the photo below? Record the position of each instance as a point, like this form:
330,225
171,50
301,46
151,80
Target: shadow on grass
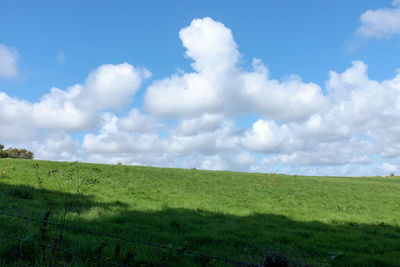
39,200
243,238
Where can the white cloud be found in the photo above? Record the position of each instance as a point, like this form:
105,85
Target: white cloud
245,160
288,100
325,129
206,135
210,44
8,61
204,143
77,108
112,86
15,119
13,110
330,154
187,95
380,23
175,147
219,85
17,132
56,146
137,121
112,140
362,103
204,123
58,111
214,163
267,137
359,124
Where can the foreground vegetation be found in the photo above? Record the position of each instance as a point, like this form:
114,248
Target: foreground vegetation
319,221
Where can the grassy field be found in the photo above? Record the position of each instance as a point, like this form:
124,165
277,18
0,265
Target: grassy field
315,221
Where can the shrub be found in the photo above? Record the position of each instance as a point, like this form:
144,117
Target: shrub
15,153
3,154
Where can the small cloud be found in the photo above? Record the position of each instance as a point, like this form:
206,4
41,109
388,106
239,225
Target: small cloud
61,57
8,61
381,23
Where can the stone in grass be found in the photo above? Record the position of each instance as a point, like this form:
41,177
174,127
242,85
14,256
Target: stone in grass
275,260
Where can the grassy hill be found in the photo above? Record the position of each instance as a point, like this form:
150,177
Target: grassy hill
246,217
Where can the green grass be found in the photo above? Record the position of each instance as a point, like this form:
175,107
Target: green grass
241,216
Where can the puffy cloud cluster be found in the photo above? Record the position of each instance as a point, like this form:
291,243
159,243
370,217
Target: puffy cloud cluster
189,119
15,119
267,137
56,146
219,85
380,23
75,109
107,87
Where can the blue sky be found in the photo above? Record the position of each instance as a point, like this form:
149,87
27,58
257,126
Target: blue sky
61,43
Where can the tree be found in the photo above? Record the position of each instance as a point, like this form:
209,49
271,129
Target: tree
15,153
3,154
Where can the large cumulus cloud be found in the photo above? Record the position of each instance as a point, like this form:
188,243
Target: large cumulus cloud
219,85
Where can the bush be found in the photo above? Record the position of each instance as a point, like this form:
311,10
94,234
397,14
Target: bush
3,154
15,153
